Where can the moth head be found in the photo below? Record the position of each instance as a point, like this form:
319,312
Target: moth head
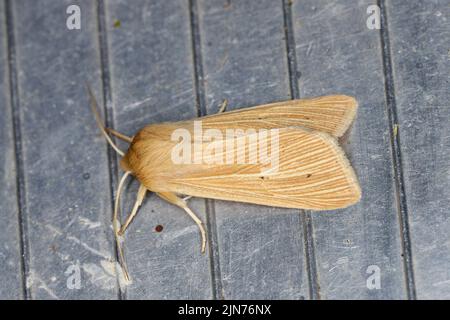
143,157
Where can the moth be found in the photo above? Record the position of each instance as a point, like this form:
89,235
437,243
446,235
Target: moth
309,170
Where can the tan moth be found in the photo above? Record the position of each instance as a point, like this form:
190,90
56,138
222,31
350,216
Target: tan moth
310,170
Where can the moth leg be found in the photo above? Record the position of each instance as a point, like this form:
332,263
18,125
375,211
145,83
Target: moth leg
223,106
187,198
174,199
140,197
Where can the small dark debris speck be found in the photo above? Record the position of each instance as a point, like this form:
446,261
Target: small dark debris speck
159,228
117,24
86,176
227,4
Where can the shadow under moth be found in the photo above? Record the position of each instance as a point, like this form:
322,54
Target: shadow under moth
283,154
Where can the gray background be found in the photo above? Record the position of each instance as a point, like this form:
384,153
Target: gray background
173,60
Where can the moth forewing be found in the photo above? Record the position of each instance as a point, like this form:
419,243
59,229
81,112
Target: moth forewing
312,173
331,114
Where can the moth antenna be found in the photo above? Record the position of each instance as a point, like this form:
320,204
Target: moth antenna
119,135
116,226
94,108
140,197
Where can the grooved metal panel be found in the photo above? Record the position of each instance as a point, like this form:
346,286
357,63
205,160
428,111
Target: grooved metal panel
153,61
